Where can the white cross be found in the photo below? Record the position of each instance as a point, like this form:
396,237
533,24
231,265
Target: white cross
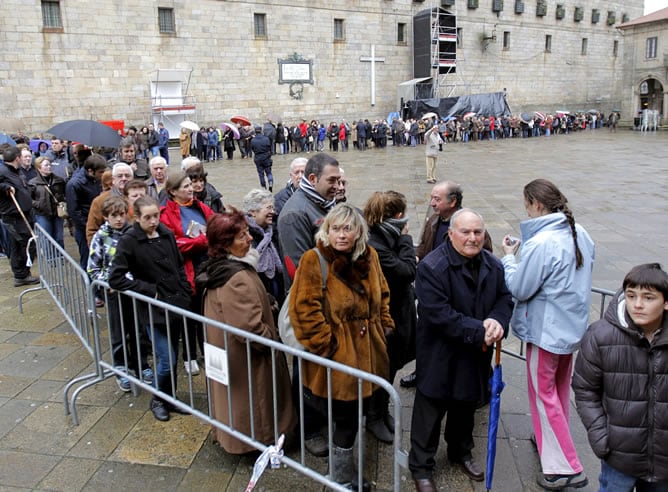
373,61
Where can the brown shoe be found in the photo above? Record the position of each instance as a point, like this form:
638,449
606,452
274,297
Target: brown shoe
472,469
425,485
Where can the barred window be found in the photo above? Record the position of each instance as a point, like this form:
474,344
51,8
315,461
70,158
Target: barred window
166,20
401,33
51,14
339,32
260,25
650,48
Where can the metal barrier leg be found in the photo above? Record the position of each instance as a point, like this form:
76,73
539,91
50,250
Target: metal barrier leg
32,289
75,394
69,386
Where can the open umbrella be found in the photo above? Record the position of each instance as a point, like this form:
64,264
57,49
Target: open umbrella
496,384
234,129
541,116
525,117
593,111
89,132
7,139
190,125
470,114
242,120
449,118
427,116
36,142
562,111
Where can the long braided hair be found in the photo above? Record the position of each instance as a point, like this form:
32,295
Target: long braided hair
546,193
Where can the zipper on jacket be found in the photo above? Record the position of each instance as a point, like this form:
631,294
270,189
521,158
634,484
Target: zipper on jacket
652,409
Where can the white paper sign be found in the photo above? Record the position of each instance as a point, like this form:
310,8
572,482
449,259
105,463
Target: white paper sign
215,362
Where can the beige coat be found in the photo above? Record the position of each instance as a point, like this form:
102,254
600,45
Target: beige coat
242,302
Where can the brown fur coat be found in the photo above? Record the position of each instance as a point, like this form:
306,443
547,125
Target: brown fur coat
349,326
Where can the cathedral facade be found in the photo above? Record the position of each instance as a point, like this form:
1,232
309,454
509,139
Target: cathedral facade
288,60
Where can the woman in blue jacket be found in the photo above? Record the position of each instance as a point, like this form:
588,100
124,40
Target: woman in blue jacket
551,285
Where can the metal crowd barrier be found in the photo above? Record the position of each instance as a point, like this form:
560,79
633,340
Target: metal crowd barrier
604,295
73,293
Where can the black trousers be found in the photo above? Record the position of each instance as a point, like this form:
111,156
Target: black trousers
19,235
428,414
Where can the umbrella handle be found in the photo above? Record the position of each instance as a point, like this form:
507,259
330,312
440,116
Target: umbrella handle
498,353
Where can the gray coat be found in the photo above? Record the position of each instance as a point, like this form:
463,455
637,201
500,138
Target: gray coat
621,392
300,219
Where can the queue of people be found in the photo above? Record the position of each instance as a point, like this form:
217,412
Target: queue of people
234,266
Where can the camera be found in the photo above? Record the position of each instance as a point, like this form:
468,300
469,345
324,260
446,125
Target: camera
512,240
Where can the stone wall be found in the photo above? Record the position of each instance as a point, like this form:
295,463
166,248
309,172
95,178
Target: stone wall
99,66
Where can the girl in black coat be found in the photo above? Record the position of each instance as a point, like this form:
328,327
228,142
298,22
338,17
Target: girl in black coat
148,252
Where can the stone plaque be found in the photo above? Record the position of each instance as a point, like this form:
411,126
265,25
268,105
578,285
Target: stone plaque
295,69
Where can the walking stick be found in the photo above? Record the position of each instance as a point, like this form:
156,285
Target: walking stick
32,233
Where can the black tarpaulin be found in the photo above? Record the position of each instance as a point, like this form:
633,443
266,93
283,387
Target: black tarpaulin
491,103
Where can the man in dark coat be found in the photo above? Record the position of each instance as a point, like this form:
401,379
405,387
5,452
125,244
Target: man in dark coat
463,306
261,147
14,190
80,192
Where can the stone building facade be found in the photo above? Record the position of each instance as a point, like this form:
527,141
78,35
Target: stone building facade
646,60
214,58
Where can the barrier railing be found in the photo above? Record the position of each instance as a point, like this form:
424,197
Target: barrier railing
73,293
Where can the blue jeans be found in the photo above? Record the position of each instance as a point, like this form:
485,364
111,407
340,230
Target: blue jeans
80,238
155,151
165,350
53,227
612,480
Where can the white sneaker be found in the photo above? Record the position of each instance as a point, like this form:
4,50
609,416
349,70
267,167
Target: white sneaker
192,367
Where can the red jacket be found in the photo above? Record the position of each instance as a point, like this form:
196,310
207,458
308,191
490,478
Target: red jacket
170,215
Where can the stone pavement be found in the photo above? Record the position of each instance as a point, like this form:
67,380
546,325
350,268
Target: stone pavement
616,184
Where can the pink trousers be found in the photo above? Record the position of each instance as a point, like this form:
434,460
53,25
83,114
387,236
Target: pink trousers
549,382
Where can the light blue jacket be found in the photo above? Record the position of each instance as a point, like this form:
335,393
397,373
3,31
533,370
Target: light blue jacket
551,296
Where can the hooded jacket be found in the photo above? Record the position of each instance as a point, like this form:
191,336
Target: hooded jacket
621,393
551,295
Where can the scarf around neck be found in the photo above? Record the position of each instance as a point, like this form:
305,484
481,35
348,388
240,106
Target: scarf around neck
269,261
306,186
217,271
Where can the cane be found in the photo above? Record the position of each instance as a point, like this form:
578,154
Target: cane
32,233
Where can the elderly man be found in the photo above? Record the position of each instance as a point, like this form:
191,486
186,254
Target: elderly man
13,191
463,307
157,166
446,199
121,173
297,167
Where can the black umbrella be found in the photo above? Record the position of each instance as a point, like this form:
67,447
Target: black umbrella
89,132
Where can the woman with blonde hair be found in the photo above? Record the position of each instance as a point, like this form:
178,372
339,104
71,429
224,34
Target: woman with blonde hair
347,322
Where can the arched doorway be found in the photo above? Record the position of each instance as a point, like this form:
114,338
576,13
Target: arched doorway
651,95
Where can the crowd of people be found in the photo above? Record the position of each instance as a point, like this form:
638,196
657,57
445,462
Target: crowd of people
168,235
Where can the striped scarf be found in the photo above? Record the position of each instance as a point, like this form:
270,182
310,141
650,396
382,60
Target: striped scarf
306,186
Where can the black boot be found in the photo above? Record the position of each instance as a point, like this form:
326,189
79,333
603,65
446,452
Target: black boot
375,419
159,409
